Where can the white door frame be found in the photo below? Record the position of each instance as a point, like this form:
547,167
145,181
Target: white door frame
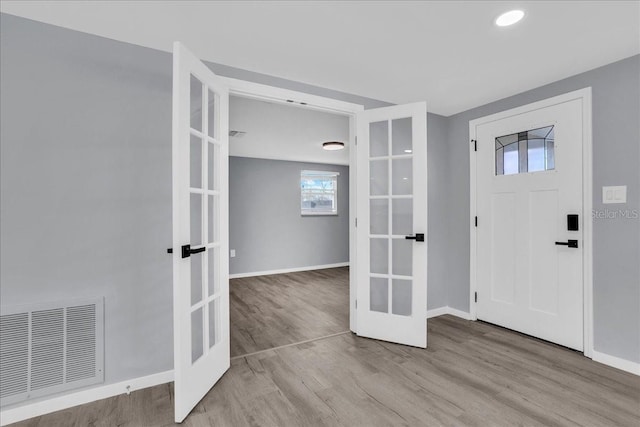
587,200
246,89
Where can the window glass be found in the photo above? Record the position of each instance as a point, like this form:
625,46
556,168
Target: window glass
528,151
319,192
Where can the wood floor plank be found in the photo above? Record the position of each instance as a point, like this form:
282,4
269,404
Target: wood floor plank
471,374
271,311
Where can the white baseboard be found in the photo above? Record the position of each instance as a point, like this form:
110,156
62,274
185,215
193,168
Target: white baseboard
288,270
459,313
435,312
616,362
30,410
440,311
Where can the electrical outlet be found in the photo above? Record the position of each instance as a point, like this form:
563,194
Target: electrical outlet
233,253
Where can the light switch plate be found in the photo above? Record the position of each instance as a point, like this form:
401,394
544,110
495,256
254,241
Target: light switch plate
614,194
233,253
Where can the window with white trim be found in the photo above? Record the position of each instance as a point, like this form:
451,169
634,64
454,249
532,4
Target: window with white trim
319,192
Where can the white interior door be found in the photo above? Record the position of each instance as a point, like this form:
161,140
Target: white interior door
200,229
392,224
529,251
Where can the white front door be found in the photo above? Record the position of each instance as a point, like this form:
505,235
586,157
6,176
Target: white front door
200,230
530,223
392,224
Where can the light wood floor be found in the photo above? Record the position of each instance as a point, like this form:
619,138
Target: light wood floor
271,311
471,374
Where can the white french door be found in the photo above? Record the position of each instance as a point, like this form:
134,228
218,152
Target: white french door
200,229
530,222
392,224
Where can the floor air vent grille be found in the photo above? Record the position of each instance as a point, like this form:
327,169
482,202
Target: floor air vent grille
49,348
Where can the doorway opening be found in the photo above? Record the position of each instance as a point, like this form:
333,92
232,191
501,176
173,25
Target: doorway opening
288,225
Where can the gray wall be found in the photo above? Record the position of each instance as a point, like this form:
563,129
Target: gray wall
85,148
265,225
616,155
437,175
85,152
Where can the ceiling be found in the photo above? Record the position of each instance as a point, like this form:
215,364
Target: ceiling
283,132
448,53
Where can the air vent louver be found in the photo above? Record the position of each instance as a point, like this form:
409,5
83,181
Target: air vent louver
49,348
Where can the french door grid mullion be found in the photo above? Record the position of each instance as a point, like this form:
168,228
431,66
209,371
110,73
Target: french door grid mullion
205,219
390,215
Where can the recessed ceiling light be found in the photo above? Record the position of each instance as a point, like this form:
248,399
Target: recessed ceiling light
333,145
509,18
408,151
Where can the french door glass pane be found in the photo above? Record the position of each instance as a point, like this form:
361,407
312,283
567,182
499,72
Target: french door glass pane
378,139
401,136
379,255
402,217
197,345
196,104
196,278
391,176
401,297
402,181
196,219
402,257
379,209
379,294
379,173
195,167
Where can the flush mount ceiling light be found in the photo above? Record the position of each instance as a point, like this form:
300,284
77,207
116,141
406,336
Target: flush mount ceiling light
333,145
509,18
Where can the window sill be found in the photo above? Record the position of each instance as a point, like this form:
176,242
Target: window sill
318,214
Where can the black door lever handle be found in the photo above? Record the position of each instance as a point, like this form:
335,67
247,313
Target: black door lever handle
419,237
570,243
187,251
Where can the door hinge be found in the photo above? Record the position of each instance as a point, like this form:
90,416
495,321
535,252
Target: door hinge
356,222
475,145
356,303
356,140
476,297
476,221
